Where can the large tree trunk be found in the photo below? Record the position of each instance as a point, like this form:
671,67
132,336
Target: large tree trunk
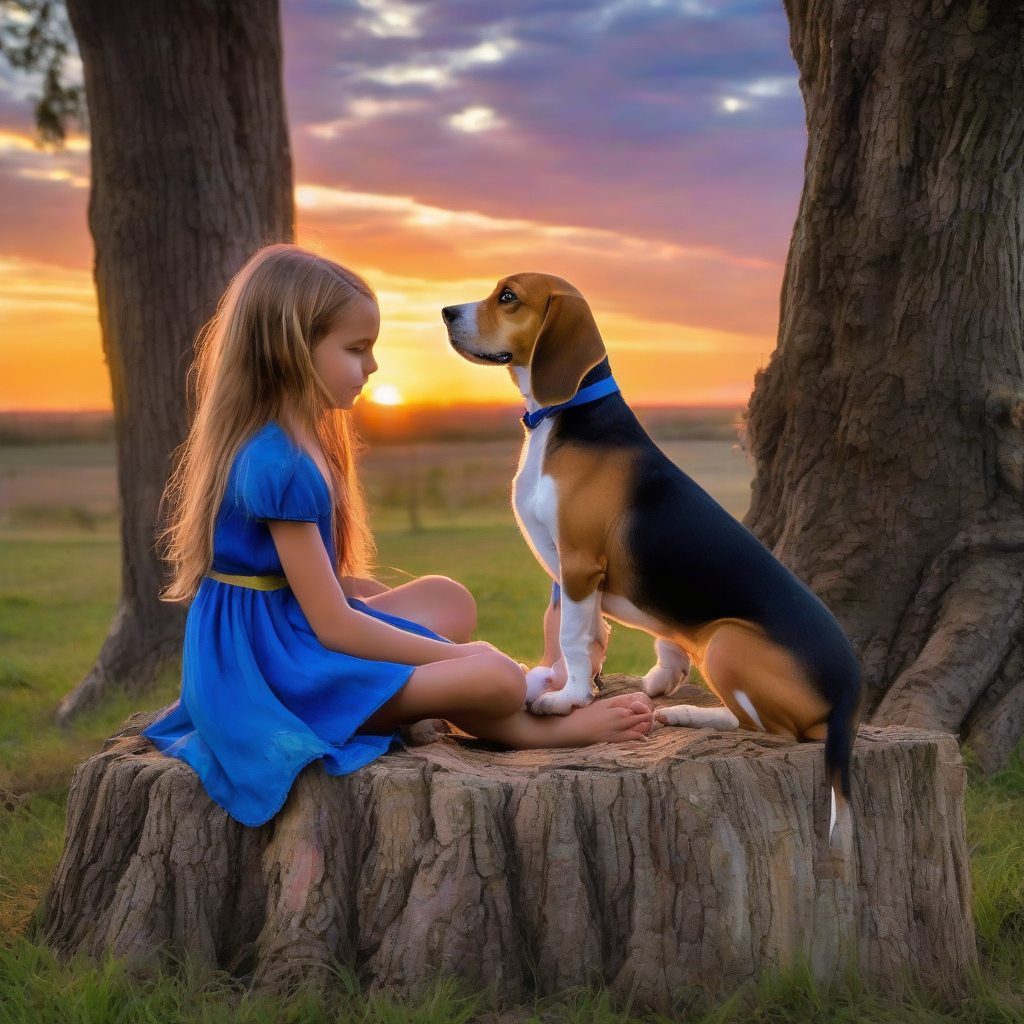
191,174
694,859
887,427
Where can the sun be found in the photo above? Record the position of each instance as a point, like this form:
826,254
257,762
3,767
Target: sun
386,394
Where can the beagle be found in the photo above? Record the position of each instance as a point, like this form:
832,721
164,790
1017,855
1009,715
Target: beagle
626,534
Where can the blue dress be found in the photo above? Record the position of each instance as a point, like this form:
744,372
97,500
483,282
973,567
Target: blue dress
261,697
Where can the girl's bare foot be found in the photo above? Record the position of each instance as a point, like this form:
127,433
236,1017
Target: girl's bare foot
626,718
619,719
625,700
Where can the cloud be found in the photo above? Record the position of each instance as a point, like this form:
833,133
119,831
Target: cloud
440,69
780,85
474,119
22,157
607,14
17,142
617,125
31,286
646,277
625,332
653,361
772,88
61,174
361,111
51,356
391,19
460,141
515,233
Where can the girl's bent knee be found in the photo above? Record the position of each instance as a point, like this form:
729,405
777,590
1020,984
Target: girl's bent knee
504,691
458,606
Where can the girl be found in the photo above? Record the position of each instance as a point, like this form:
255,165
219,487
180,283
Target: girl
291,653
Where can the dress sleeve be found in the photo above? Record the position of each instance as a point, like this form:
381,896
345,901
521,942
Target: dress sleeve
284,487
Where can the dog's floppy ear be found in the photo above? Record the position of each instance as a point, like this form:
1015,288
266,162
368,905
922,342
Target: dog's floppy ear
568,345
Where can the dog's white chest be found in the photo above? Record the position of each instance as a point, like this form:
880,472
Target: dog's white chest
535,500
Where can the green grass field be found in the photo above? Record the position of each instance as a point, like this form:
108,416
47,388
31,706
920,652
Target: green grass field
57,592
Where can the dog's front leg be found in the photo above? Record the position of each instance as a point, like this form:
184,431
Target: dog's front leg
579,630
667,674
551,673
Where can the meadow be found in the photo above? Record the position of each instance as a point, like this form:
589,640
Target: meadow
439,507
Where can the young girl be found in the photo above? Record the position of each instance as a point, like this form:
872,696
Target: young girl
291,653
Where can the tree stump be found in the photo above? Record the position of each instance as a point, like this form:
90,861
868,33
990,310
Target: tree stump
695,858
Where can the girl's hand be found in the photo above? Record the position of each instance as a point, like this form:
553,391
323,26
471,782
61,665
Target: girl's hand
475,647
478,647
336,624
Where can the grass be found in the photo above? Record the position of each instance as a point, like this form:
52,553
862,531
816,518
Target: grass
57,597
995,834
57,593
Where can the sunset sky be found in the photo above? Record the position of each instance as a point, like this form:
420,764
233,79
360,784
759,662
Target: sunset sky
649,151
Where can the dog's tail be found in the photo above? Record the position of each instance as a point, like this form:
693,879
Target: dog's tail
842,728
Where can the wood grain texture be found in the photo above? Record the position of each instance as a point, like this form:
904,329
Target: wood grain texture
695,858
887,426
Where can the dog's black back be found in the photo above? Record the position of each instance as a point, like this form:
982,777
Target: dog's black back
695,563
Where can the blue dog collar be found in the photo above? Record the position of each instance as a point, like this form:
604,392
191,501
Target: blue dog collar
591,393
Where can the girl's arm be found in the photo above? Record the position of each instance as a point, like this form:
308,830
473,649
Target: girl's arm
338,626
360,586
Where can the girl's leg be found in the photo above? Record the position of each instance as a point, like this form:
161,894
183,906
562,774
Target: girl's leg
552,621
549,673
436,602
483,694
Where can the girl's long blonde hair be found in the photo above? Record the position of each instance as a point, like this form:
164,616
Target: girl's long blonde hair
253,365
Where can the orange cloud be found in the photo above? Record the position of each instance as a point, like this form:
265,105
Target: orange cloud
19,142
655,363
50,353
683,325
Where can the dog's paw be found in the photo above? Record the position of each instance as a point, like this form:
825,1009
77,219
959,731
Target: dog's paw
661,680
538,680
690,716
561,702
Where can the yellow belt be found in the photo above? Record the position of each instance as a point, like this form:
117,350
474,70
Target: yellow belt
251,582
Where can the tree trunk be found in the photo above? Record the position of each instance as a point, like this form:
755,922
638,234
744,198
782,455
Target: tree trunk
694,859
191,174
886,428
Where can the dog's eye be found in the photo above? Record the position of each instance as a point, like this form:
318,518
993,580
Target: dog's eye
508,296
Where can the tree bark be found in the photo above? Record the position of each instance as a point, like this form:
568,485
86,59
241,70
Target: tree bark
694,859
191,174
886,428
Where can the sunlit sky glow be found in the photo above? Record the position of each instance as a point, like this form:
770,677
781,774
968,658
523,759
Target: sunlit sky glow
647,150
386,394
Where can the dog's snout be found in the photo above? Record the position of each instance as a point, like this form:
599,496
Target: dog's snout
450,314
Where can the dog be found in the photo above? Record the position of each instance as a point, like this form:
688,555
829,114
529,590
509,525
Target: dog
624,533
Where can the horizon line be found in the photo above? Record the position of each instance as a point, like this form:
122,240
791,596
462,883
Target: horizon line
511,406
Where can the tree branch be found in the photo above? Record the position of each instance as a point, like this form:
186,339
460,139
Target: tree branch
36,37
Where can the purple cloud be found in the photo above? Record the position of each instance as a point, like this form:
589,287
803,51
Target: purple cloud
680,119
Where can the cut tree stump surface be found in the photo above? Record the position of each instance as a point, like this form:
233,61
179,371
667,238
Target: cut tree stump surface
695,858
